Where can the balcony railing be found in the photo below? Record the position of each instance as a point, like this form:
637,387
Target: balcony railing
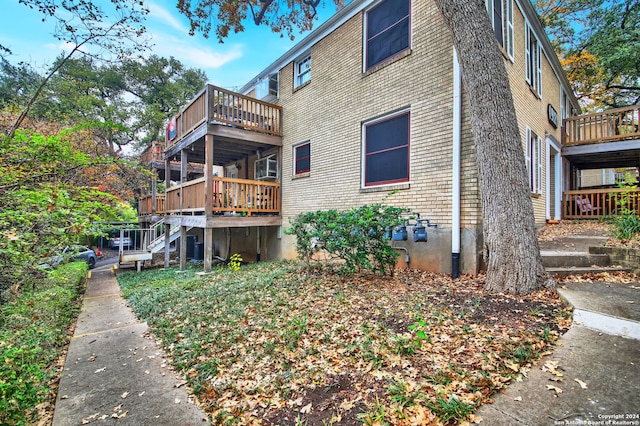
229,195
599,203
607,126
153,154
219,106
145,204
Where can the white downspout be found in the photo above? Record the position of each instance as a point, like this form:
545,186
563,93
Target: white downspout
455,167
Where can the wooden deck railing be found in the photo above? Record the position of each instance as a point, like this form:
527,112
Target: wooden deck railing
219,106
145,204
607,126
599,203
153,154
229,195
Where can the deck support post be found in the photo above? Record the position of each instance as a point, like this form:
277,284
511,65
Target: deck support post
208,199
167,241
183,248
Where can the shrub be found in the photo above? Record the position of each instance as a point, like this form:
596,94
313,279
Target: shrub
356,237
33,332
627,224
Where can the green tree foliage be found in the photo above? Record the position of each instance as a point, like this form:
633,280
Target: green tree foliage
85,90
161,87
111,30
355,237
224,16
599,43
50,192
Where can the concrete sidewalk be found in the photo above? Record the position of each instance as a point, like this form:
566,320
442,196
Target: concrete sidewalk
594,373
113,372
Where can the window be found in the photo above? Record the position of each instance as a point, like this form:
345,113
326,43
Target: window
534,161
303,71
265,168
386,150
533,56
267,88
302,158
501,17
387,30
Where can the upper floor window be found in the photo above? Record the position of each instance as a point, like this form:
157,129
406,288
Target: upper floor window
387,30
533,158
268,88
303,71
533,57
302,158
386,150
501,17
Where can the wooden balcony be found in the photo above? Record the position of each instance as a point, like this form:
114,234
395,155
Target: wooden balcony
153,154
215,105
599,203
145,205
239,196
607,126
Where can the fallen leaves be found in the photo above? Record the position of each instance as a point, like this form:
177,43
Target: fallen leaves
582,384
278,344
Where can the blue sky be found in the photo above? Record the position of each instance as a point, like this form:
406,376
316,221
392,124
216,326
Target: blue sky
229,65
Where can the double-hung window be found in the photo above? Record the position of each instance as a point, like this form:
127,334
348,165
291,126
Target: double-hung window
303,71
534,161
501,17
302,158
533,57
387,32
386,150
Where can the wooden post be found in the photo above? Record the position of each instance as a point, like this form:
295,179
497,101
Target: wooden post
208,200
183,248
167,241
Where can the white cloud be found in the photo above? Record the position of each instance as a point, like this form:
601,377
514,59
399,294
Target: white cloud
163,16
193,54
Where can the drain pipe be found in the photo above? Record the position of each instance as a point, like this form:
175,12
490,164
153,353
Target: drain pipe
455,186
406,254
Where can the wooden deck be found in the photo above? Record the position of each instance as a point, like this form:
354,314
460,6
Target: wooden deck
239,196
599,203
607,126
215,105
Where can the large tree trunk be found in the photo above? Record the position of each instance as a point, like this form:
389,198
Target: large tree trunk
511,248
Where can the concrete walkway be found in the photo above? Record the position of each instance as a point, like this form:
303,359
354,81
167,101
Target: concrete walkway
113,372
593,376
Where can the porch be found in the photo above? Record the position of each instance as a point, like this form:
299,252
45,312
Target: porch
600,203
608,139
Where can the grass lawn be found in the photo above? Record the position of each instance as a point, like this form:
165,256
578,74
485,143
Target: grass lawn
275,344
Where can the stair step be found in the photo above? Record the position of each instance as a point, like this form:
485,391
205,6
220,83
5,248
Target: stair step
579,270
558,260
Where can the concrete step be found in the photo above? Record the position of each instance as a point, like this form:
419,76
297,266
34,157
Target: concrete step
568,259
579,270
612,308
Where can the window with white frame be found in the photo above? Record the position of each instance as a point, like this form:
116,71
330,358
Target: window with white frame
303,70
302,158
386,150
387,30
501,17
533,57
533,158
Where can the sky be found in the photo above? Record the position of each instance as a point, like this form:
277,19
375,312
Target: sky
229,65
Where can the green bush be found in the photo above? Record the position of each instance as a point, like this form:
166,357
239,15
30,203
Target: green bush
355,237
627,223
33,333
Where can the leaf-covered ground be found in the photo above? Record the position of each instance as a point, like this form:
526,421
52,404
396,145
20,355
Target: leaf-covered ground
274,344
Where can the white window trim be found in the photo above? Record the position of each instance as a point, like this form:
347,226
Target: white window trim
509,33
535,81
298,74
535,178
